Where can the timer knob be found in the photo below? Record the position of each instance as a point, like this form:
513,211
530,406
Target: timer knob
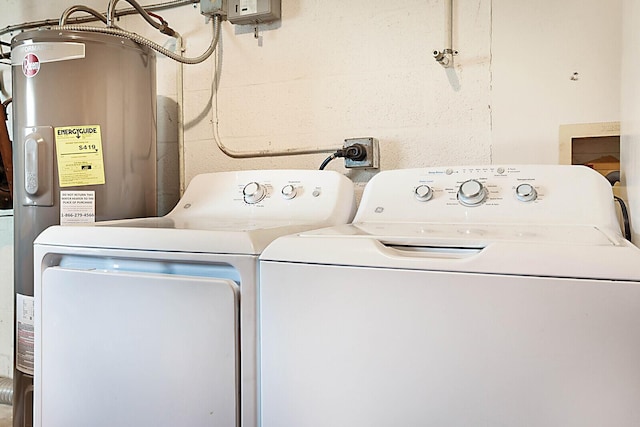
423,193
254,192
472,193
289,191
526,193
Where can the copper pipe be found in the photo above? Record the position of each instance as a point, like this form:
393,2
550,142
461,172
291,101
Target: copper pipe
5,148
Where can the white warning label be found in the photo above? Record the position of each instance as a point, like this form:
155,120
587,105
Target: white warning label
24,333
77,207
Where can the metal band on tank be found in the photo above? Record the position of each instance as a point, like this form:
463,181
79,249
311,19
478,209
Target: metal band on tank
48,52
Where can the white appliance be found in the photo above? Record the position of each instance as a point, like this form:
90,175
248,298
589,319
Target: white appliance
630,115
152,322
6,297
463,296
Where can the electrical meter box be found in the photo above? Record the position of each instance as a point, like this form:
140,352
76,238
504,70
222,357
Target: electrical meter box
253,11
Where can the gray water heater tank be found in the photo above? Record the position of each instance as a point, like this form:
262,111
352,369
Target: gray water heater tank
84,144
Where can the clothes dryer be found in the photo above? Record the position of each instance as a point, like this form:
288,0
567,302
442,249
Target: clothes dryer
152,322
462,296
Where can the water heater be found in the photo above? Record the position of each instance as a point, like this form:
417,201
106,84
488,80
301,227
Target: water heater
84,144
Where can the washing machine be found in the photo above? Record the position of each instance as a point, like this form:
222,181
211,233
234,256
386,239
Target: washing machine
461,296
152,322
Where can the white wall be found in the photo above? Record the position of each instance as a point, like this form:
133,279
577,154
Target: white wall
332,70
536,48
630,115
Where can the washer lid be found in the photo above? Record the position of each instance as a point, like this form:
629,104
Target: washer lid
471,235
550,251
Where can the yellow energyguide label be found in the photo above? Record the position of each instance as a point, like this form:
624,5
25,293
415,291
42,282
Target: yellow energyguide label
79,155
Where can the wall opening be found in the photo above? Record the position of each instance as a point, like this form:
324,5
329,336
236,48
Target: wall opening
601,153
596,145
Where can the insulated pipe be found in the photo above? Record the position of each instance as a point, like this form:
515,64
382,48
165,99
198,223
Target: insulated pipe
146,42
123,12
111,13
80,8
6,391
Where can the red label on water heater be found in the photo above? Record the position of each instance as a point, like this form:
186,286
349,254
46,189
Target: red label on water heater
30,65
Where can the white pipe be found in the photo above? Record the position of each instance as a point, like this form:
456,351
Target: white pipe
234,154
448,26
266,153
445,57
180,102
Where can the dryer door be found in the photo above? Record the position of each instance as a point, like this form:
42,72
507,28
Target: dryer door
135,349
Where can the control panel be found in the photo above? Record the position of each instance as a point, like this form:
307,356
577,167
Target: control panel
288,195
553,194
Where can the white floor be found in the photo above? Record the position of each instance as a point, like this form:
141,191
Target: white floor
5,415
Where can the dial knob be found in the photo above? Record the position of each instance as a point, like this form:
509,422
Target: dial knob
254,192
472,193
423,193
526,193
289,191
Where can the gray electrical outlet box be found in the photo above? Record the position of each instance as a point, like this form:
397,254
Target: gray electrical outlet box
253,11
214,7
372,149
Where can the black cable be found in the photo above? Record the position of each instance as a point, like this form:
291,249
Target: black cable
328,159
355,152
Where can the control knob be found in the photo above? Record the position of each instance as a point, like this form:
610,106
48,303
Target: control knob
254,192
472,193
289,191
423,193
526,193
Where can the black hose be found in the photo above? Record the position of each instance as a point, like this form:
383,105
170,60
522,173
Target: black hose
625,217
614,177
